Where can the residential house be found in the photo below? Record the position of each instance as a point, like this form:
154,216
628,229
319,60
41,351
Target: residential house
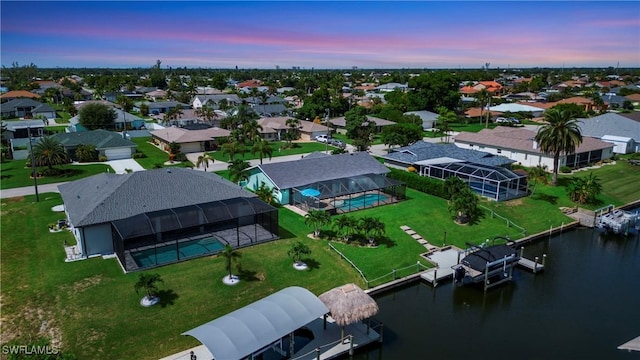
124,120
161,107
428,118
485,173
389,87
587,103
516,108
189,140
27,109
336,183
340,123
17,135
613,128
157,217
274,128
519,144
108,144
18,94
271,106
215,100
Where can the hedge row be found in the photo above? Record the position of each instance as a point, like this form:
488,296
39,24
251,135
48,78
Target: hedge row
423,184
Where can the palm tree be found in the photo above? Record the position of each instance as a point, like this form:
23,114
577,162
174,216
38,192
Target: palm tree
292,133
265,193
345,225
237,169
207,113
233,148
537,175
262,148
230,255
316,219
371,227
561,134
49,152
453,185
584,190
173,114
485,101
297,250
251,129
149,284
204,160
464,204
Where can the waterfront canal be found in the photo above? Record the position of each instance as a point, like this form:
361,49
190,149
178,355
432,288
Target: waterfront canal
585,304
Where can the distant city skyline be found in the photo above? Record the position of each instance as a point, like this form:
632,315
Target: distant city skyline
321,35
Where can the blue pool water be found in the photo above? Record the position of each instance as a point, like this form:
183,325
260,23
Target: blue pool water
168,253
362,201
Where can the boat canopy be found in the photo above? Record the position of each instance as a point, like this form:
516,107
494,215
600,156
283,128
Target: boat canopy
251,328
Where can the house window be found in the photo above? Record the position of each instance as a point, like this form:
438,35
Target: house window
470,145
499,151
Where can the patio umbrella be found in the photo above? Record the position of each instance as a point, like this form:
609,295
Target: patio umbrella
310,192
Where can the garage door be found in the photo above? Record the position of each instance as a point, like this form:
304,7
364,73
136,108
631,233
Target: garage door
190,147
118,153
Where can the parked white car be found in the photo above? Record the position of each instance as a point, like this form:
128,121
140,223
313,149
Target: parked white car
323,138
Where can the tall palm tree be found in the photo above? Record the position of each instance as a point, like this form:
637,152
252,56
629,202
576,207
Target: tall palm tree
149,284
204,160
49,152
316,219
485,102
292,133
233,148
262,148
230,255
561,134
251,129
237,169
207,113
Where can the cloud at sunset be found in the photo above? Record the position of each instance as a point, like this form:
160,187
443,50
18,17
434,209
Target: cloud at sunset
320,34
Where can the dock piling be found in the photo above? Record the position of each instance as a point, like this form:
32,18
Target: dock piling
544,258
535,265
350,345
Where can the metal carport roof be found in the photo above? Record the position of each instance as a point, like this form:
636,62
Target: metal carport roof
249,329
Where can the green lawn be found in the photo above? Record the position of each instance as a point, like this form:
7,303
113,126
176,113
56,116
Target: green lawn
91,305
15,174
278,150
155,157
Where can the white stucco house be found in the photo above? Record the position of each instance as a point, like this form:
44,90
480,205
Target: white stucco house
518,144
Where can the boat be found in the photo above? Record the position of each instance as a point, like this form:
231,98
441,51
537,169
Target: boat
490,265
618,221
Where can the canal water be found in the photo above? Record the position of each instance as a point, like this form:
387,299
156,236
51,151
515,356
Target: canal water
583,306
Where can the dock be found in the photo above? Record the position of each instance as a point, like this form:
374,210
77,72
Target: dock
444,259
631,345
324,345
532,265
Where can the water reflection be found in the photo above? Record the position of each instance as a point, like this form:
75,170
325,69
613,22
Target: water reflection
583,305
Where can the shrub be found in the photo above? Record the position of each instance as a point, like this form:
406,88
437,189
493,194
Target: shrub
181,157
565,169
102,158
86,153
423,184
139,155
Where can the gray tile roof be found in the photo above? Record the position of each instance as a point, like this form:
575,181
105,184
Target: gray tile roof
106,197
290,174
423,150
610,124
12,105
101,139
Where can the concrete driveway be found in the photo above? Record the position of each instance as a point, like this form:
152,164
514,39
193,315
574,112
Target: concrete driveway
119,166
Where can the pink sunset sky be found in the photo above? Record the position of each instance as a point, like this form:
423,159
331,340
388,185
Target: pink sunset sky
319,34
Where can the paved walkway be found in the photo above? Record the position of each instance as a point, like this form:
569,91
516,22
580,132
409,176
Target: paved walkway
200,352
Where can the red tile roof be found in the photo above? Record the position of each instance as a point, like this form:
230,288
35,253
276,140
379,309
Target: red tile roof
19,94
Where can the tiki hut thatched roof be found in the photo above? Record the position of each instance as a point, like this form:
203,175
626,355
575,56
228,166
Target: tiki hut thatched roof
349,304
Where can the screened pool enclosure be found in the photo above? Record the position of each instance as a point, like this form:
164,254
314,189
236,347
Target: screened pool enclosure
495,183
349,193
166,236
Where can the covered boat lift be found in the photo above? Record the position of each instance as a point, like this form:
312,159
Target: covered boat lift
257,327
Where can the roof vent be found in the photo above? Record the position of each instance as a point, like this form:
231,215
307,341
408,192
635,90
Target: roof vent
168,171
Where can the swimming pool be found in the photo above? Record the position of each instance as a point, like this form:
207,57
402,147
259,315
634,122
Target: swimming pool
167,254
362,201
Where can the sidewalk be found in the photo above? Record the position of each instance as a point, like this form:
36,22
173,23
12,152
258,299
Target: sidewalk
200,352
